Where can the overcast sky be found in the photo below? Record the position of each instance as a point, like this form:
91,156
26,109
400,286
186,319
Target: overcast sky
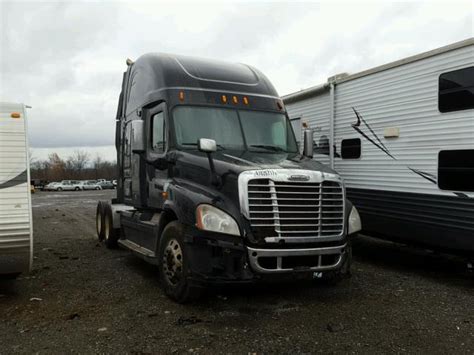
66,58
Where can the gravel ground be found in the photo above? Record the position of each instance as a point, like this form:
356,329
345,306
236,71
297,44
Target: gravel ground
83,298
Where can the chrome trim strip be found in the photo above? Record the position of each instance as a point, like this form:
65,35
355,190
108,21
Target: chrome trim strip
254,254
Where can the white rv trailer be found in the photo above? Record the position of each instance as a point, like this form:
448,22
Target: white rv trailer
16,229
402,137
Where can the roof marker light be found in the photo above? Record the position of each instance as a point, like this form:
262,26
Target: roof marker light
15,115
181,96
224,99
246,100
279,105
235,100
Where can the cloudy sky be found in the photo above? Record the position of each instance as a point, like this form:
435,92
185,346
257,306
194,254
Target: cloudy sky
66,59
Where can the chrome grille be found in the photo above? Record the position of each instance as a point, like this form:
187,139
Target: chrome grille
295,209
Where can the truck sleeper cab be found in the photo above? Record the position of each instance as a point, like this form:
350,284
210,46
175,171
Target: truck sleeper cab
212,187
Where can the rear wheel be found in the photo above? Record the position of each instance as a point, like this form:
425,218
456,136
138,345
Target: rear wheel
97,188
173,265
99,221
60,189
76,188
111,234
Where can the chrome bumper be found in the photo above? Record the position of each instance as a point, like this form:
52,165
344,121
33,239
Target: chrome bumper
315,259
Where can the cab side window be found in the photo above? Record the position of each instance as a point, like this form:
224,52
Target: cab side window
158,139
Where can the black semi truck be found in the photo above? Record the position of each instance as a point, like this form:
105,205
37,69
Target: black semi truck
212,186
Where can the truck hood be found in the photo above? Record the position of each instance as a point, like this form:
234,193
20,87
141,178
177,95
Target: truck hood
191,173
194,165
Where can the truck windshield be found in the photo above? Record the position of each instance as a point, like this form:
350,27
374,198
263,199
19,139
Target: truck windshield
234,129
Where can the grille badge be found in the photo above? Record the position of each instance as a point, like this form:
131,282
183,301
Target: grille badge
299,178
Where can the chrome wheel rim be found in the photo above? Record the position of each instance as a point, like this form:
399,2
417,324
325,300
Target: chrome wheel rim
173,262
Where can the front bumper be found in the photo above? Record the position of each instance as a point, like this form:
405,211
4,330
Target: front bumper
222,259
268,261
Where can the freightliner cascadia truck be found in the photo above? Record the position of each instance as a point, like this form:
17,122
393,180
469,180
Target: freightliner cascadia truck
212,187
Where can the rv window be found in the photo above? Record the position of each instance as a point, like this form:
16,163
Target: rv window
456,90
158,129
350,148
456,170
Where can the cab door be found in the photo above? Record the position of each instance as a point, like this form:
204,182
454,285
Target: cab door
158,138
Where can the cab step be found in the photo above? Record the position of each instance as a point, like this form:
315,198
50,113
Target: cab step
136,248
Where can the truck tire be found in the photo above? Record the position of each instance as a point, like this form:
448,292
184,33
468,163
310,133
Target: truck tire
332,278
99,221
111,234
173,265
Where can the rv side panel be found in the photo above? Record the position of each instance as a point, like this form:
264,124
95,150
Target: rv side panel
389,136
394,182
15,201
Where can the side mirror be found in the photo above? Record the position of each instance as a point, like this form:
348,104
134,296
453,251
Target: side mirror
308,143
138,140
207,145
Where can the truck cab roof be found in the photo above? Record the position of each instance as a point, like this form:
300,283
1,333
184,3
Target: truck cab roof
154,73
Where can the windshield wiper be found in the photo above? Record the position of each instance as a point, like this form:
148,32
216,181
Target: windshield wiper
195,144
268,147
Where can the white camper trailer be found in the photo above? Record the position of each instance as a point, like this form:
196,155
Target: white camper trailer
16,230
402,137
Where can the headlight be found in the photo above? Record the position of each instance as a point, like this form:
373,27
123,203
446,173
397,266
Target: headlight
355,224
210,218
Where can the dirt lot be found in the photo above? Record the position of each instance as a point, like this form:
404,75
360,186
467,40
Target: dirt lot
83,298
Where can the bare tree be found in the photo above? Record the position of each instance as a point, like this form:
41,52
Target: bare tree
57,166
77,162
97,164
77,166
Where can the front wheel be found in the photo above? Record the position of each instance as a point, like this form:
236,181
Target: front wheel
60,189
97,188
173,265
76,188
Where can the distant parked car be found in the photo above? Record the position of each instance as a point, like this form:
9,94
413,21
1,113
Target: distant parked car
51,186
106,185
90,185
65,185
